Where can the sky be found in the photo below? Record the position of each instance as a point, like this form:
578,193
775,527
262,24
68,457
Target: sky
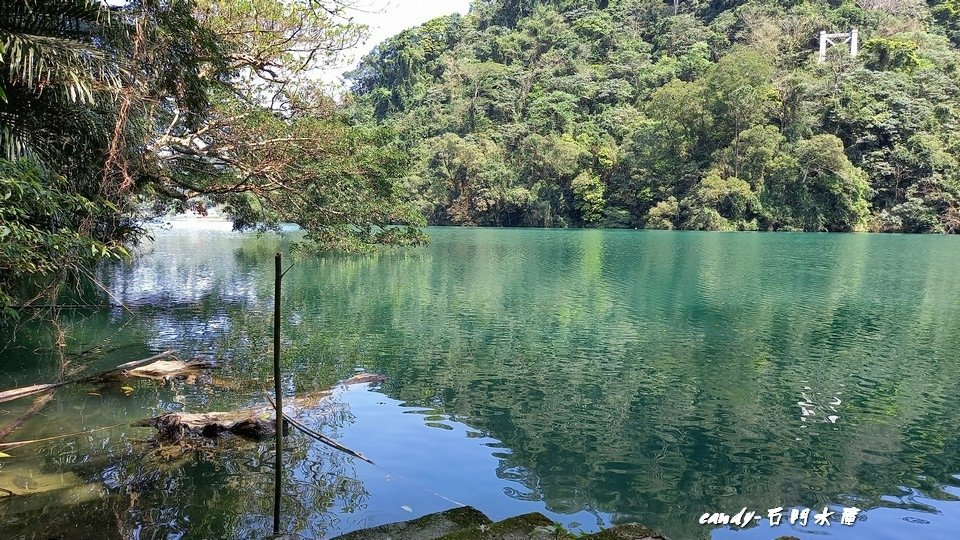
388,18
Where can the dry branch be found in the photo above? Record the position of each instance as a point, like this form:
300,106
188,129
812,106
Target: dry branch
158,369
169,369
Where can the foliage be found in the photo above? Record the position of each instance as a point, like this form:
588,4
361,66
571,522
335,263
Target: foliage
185,103
663,215
46,231
63,71
588,196
895,53
270,145
626,113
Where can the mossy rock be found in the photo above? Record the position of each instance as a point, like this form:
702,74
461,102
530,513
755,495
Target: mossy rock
429,527
533,526
628,531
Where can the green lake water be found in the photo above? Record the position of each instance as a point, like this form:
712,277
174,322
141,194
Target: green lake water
596,376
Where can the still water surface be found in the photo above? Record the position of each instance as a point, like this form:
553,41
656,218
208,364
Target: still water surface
596,376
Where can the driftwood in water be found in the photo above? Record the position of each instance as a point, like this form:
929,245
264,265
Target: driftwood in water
319,437
251,423
121,370
154,367
364,378
248,423
169,369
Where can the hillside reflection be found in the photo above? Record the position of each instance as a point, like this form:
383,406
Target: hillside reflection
610,375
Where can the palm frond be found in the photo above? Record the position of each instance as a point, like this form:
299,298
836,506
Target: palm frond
71,19
38,62
62,48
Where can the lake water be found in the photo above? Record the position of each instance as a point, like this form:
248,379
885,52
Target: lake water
595,376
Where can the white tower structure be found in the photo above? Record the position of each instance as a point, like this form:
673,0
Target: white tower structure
852,37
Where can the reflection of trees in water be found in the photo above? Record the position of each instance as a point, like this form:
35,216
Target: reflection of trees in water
649,376
230,495
654,376
218,490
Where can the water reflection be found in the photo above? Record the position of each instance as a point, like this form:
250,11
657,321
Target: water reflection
599,376
112,485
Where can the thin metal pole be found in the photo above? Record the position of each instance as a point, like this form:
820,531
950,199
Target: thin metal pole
277,396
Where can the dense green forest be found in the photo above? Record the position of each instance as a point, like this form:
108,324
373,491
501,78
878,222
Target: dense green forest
689,114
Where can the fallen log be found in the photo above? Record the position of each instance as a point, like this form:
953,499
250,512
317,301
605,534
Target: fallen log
364,378
169,369
251,423
176,426
26,391
153,367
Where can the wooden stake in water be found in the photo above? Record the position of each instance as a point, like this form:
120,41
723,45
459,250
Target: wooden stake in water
277,396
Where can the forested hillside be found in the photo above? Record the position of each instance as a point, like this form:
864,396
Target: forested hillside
687,114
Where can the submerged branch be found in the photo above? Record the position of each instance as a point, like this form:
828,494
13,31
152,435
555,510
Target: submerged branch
17,444
320,437
17,393
252,423
35,408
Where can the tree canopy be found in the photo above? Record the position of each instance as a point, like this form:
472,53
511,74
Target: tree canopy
112,112
690,114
